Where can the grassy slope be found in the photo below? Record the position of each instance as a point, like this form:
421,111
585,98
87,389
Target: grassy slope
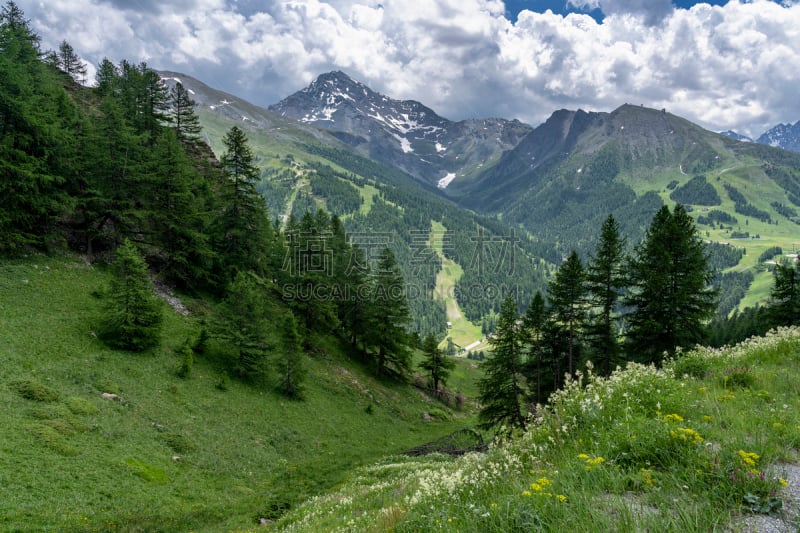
645,450
463,332
174,454
750,180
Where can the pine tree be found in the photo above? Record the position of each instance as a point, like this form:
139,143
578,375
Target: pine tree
605,281
501,387
567,296
435,362
670,294
784,303
386,316
133,319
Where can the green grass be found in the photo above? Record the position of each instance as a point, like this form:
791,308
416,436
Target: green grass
462,331
695,446
170,454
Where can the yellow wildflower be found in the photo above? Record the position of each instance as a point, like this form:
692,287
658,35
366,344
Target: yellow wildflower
672,417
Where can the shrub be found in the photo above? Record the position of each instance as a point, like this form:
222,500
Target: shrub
187,359
80,406
692,365
177,442
223,383
738,377
31,389
51,438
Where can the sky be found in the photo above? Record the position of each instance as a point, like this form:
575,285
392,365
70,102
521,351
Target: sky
722,64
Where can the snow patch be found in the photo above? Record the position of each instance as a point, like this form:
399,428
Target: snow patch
445,181
405,145
440,148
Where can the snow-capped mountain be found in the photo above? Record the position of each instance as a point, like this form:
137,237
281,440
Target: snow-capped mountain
738,136
401,133
786,136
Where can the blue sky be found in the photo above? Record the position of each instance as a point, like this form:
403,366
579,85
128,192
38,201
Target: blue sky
724,65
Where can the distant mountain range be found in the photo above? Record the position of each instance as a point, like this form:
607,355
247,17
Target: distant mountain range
786,136
555,182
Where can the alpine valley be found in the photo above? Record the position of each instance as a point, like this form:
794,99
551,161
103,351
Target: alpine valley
397,168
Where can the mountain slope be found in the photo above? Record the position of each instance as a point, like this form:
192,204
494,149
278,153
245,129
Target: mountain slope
162,453
575,168
403,134
786,136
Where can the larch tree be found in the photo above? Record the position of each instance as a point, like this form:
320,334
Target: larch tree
436,363
533,326
133,313
605,281
568,304
242,321
387,314
184,118
243,228
70,62
502,387
783,308
670,288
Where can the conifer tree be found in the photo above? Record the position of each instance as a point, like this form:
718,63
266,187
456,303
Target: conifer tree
290,365
670,295
605,281
133,316
502,385
33,108
386,317
243,229
568,305
184,118
533,324
243,322
435,362
784,303
70,62
176,221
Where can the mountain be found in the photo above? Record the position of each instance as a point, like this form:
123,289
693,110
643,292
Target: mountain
557,182
403,134
786,136
737,136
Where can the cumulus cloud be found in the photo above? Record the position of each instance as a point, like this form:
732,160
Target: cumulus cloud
734,66
652,11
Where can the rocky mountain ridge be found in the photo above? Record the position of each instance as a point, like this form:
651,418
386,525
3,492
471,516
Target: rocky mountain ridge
402,133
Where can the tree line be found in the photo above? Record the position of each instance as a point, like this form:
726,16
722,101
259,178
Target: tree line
616,308
118,171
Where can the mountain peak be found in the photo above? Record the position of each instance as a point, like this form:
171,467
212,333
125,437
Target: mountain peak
405,133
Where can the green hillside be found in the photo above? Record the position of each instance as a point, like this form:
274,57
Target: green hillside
707,443
204,453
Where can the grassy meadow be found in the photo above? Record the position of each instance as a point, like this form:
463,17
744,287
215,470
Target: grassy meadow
202,453
702,444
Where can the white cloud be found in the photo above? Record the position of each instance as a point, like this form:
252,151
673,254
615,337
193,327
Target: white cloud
734,66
